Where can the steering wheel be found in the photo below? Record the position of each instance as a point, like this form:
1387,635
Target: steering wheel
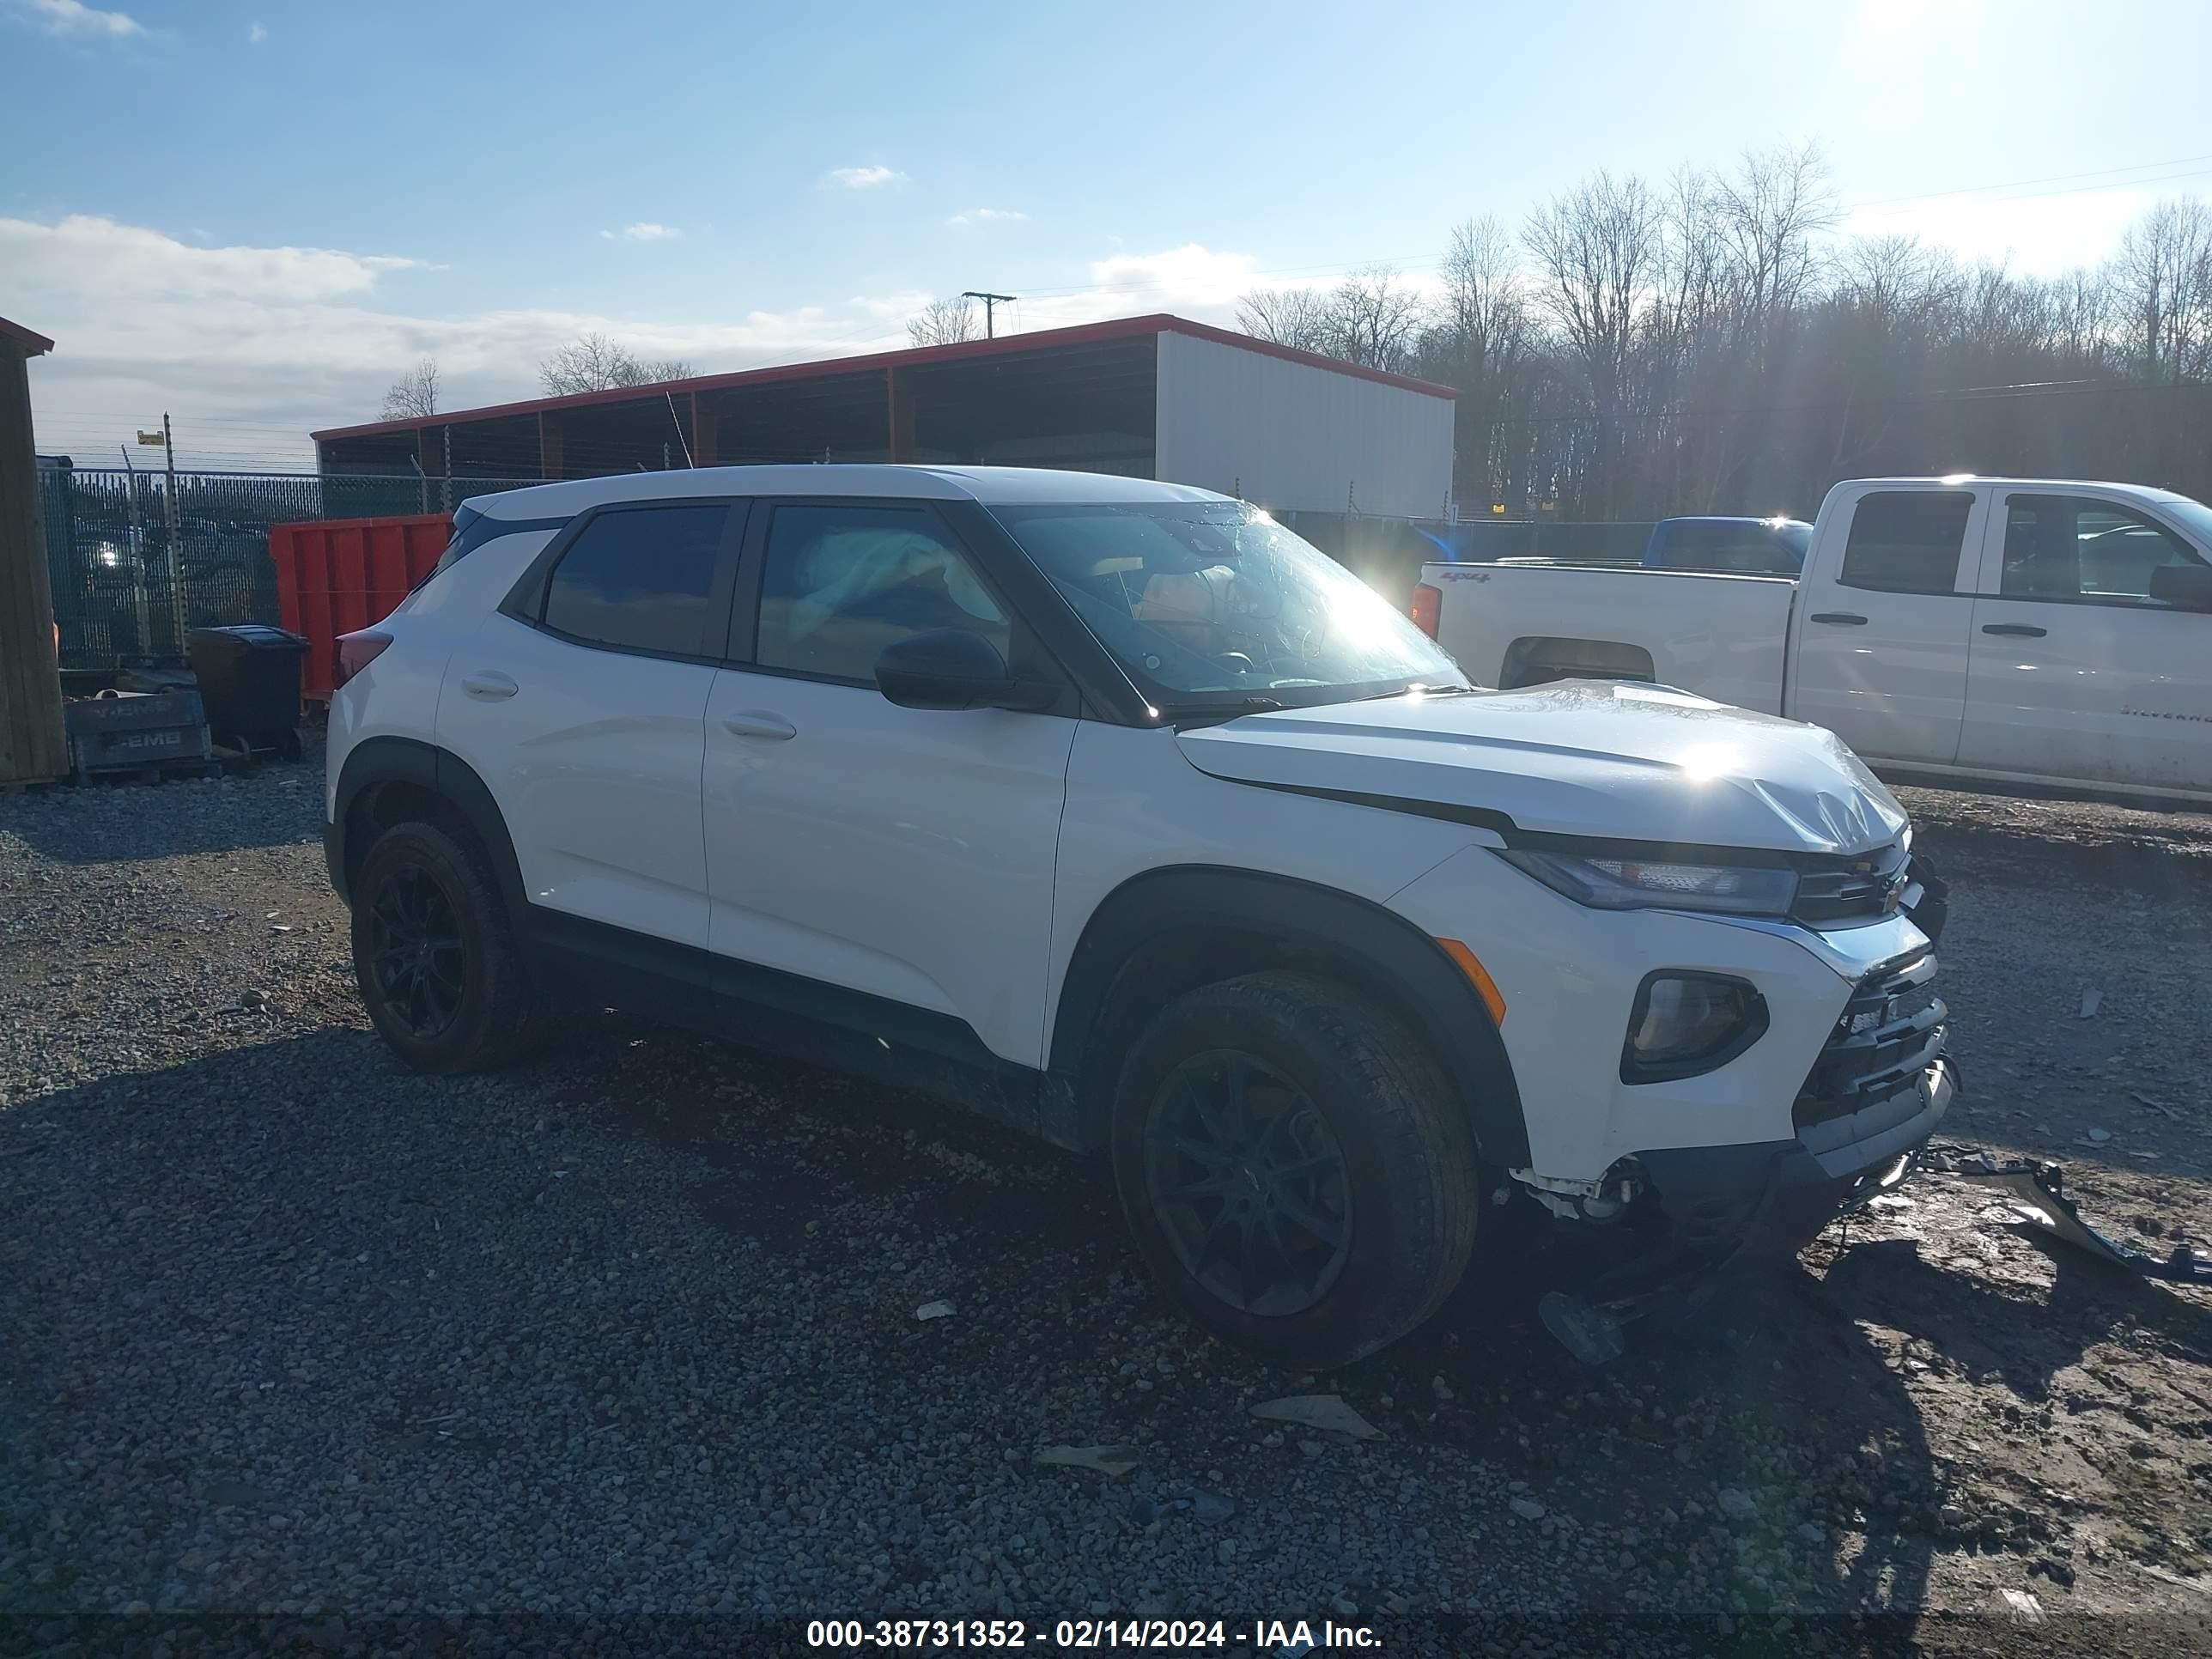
1236,662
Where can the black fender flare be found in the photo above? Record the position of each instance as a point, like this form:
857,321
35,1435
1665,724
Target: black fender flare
376,762
1160,922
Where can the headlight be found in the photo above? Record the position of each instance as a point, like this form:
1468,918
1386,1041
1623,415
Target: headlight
1683,1024
1621,884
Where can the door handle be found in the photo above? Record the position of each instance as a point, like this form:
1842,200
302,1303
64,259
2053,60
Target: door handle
489,686
2023,630
758,723
1840,618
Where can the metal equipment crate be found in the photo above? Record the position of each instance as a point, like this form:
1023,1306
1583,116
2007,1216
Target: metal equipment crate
137,732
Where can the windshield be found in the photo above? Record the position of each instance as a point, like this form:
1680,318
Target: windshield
1211,602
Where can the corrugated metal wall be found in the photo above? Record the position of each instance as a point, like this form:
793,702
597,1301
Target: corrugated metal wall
1298,438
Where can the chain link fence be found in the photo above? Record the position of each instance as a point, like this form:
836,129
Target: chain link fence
134,570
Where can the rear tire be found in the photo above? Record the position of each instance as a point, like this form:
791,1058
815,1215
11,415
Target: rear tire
1340,1214
435,953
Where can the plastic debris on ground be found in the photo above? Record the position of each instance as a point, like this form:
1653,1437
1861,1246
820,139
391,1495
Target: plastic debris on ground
1114,1462
1326,1411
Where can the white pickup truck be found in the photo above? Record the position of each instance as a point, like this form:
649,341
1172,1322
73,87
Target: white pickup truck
2020,630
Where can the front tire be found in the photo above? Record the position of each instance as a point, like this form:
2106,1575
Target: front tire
1294,1167
434,951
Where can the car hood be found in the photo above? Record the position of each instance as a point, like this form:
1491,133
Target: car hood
1577,757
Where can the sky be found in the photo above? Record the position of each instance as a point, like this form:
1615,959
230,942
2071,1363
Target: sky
255,216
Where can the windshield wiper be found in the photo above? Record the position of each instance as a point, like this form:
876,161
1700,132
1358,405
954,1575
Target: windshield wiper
1426,690
1186,714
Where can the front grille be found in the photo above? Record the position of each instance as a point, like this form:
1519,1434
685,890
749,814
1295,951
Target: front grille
1888,1034
1841,891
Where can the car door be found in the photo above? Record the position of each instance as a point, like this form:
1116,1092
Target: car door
2078,671
1881,622
896,853
581,702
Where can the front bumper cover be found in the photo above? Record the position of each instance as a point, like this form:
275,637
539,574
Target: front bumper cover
1722,1201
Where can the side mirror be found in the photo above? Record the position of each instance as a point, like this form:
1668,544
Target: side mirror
952,668
2183,586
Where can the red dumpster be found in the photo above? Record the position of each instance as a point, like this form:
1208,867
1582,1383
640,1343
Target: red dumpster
339,574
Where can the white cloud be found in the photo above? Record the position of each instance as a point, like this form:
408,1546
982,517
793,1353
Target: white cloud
985,216
643,231
1192,275
863,178
2034,236
891,308
252,347
133,262
74,17
255,35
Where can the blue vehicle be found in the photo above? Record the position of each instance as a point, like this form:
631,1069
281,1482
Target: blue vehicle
1760,547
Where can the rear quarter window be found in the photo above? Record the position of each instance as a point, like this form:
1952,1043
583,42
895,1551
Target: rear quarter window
641,578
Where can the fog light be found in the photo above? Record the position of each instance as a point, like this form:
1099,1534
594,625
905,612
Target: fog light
1686,1023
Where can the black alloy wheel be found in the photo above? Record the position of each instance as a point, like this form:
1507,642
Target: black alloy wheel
435,954
1295,1168
1249,1183
417,960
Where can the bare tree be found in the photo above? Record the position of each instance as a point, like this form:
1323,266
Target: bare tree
1712,346
2162,290
1896,281
1482,339
1485,307
590,362
1769,215
414,394
1296,316
1374,318
2082,302
1598,250
594,362
944,322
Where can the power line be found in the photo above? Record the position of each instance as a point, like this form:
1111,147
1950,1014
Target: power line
2048,178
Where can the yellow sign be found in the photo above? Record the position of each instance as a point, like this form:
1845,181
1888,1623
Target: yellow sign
1497,509
153,438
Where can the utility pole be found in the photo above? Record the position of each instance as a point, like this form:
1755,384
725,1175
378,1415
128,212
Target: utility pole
991,304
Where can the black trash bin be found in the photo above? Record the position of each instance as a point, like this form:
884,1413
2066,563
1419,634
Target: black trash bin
249,678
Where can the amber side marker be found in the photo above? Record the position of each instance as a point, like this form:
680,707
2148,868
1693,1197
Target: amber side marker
1478,976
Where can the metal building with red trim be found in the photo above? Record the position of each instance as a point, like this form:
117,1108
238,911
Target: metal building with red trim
1156,396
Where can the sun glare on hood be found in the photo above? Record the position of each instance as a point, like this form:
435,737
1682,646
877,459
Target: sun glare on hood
1710,760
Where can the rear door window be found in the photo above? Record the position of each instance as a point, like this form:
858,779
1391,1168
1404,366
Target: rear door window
1907,541
642,579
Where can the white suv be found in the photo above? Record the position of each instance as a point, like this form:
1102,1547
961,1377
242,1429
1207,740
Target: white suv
1114,810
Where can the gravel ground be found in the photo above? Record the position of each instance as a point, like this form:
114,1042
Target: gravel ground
633,1331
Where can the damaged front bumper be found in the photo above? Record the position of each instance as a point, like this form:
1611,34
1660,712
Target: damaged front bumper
1874,1095
1690,1212
1877,1091
1719,1203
